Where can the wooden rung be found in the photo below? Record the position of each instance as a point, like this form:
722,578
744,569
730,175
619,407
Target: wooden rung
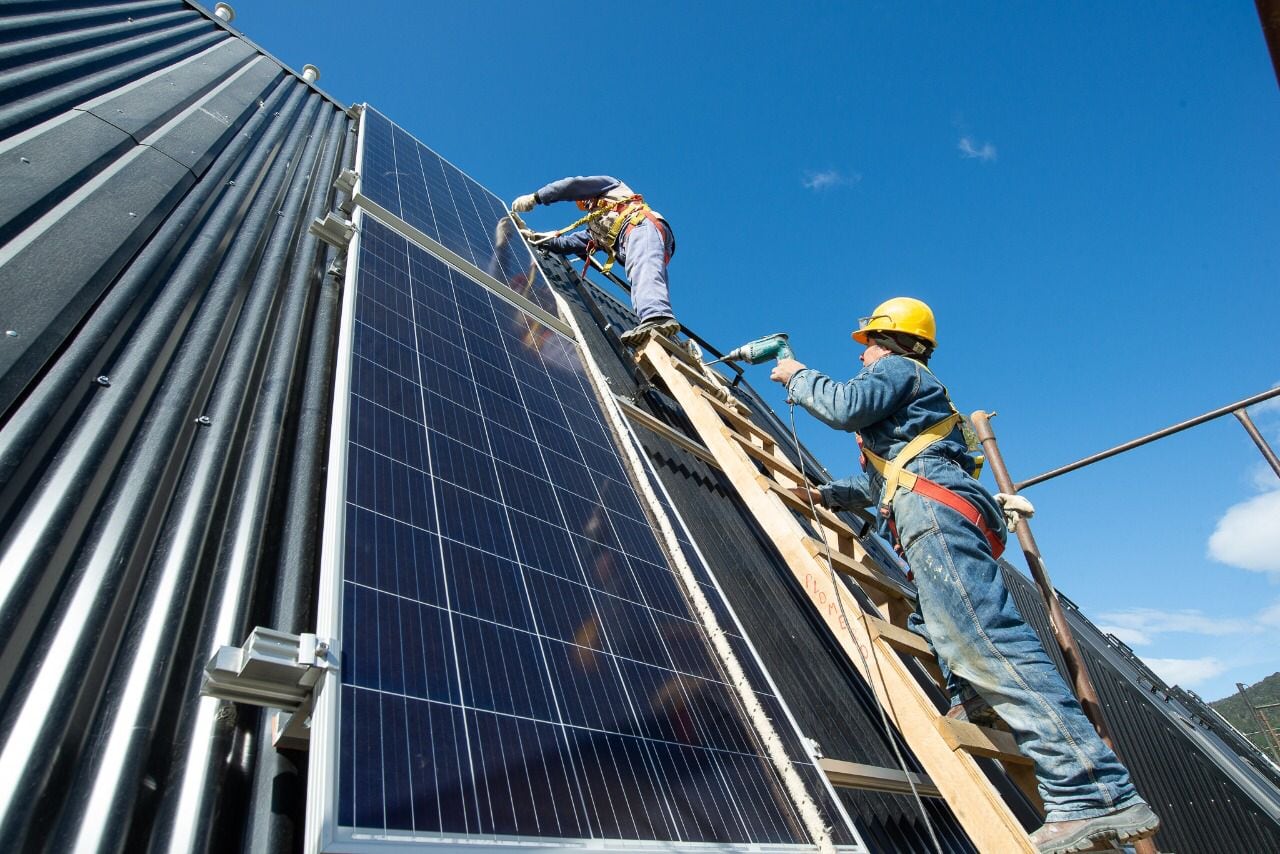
981,741
855,775
865,573
826,517
773,461
681,354
695,376
903,640
907,642
736,419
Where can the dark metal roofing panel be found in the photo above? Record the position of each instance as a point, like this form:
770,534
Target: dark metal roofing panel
48,284
160,513
39,170
144,106
61,78
194,140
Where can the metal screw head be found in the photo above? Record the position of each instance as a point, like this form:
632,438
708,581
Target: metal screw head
24,159
322,648
104,380
204,420
12,333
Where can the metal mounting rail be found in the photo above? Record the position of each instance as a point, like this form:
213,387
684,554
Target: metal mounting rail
1238,409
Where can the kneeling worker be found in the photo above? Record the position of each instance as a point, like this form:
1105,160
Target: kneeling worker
619,223
951,531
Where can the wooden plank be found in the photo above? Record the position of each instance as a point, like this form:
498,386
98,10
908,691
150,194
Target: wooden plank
909,643
903,640
678,352
855,775
981,741
961,781
666,431
739,421
863,571
994,744
772,460
826,517
699,379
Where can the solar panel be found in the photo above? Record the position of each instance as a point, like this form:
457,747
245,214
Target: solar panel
519,662
432,195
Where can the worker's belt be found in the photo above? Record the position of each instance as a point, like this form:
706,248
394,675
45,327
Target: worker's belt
630,212
895,475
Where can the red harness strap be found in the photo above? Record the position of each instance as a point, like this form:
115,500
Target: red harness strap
939,493
657,224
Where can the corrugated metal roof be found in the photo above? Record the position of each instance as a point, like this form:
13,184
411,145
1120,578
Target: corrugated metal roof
165,389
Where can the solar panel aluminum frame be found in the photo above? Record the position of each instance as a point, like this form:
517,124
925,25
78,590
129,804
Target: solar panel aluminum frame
438,249
323,832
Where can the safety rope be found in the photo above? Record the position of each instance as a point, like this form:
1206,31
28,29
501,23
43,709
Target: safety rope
776,750
844,618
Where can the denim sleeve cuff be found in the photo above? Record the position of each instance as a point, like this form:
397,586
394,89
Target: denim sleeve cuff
791,382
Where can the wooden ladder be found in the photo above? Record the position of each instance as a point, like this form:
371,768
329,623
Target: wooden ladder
891,659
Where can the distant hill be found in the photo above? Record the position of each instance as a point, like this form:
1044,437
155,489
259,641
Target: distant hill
1234,710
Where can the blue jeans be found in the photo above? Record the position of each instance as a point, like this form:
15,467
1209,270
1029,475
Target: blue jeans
983,642
645,261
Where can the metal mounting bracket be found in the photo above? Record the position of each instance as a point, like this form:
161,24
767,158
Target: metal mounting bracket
333,230
346,181
276,670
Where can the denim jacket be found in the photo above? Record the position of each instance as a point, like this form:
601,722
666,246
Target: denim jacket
888,404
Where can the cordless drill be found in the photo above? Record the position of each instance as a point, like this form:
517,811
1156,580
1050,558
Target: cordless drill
775,346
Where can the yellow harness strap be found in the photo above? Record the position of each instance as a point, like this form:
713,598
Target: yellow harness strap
631,211
894,471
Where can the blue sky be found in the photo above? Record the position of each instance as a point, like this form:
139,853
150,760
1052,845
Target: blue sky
1088,195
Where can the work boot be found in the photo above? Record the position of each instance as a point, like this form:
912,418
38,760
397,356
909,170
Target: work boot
664,326
1091,834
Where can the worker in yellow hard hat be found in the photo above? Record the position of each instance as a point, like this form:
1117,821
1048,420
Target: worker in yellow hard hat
621,224
920,473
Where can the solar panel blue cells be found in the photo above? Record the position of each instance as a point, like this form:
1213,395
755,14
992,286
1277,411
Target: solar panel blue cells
432,195
518,658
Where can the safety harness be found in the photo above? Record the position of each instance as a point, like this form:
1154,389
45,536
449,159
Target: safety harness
630,212
895,475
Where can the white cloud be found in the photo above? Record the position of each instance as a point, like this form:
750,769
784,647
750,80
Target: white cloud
970,151
1248,535
1133,637
1141,626
1186,672
1262,477
828,179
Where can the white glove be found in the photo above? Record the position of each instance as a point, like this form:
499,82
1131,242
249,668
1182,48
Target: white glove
1015,507
536,238
524,204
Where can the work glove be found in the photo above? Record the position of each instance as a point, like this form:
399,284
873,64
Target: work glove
1015,507
524,204
536,238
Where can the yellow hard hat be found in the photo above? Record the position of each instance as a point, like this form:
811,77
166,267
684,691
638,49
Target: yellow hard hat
900,314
